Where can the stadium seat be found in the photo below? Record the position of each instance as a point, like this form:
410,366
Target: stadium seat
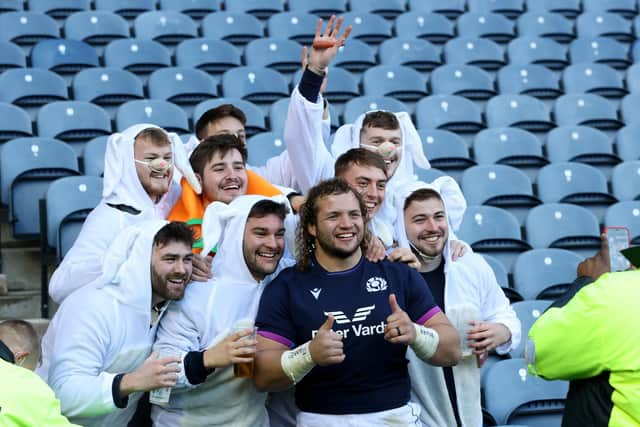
449,112
411,52
427,175
27,28
263,146
386,8
165,26
397,81
493,230
297,26
529,79
154,111
521,111
581,144
14,122
474,51
363,104
625,180
262,9
604,24
11,5
355,56
212,56
181,85
282,55
256,121
27,166
64,56
31,87
465,80
568,8
93,156
367,27
509,146
625,8
602,50
323,9
341,87
236,28
451,9
96,27
509,8
58,9
546,25
564,226
586,109
502,277
593,78
107,86
433,27
255,84
528,312
632,78
446,151
137,56
537,50
126,8
544,274
196,9
278,114
627,142
625,214
486,24
629,108
11,56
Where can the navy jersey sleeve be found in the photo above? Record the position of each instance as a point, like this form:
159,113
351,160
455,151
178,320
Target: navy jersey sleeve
421,306
274,316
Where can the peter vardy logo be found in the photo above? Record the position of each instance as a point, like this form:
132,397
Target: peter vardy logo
376,284
356,327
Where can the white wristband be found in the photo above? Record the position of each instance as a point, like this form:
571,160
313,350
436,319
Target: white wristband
426,342
297,363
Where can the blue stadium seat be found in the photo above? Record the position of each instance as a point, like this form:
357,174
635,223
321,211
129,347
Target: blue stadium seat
451,9
502,277
633,78
449,112
355,56
11,5
107,86
510,146
126,8
474,51
255,84
586,109
262,9
236,28
593,78
580,144
165,26
256,121
568,8
323,9
137,56
367,27
212,56
263,146
11,56
297,26
93,156
278,114
64,56
411,52
625,214
427,175
625,180
465,80
73,122
604,24
446,151
27,166
528,312
27,28
521,111
282,55
509,8
58,9
486,24
386,8
602,50
625,8
547,25
397,81
96,27
629,108
341,86
14,122
564,226
196,9
432,27
181,85
363,104
627,142
154,111
537,50
544,274
31,87
529,79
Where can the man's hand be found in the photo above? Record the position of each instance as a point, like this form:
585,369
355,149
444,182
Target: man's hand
201,268
326,347
458,249
305,62
598,264
485,336
400,329
406,256
235,348
325,45
296,202
152,374
376,251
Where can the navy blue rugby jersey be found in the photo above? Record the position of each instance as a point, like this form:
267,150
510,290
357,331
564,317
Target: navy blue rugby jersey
374,375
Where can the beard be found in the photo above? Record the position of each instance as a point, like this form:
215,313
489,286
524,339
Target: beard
325,241
165,289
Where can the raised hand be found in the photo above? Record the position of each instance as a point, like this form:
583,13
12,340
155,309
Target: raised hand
400,329
325,45
326,348
233,349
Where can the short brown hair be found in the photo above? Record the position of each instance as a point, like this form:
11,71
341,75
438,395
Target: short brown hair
380,119
360,157
266,207
175,231
222,144
156,135
20,335
421,195
217,113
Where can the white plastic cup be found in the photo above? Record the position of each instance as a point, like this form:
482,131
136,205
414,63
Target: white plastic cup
461,316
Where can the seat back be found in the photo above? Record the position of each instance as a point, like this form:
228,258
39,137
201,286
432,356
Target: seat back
544,273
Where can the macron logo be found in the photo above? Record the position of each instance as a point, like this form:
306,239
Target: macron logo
361,314
315,292
376,284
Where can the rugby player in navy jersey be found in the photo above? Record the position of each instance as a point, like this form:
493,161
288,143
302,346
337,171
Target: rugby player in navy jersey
338,326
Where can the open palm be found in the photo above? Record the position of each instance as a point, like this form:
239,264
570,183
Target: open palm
325,45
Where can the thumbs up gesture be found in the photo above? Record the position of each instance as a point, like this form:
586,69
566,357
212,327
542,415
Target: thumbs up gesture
400,329
326,347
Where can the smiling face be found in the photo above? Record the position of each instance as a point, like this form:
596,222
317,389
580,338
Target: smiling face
374,137
145,150
370,182
224,177
171,269
263,244
426,225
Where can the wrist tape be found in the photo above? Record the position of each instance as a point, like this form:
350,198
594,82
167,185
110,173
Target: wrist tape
426,342
297,363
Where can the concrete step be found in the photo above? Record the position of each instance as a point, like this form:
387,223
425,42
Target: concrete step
22,304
